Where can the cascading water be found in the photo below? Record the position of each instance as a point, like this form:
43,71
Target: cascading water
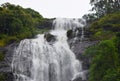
37,60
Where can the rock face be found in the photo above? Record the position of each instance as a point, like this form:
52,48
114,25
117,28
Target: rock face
78,44
5,65
79,48
70,34
49,37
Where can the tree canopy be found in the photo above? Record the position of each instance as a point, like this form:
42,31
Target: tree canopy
103,7
104,26
17,23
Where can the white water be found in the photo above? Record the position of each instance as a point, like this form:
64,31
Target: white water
37,60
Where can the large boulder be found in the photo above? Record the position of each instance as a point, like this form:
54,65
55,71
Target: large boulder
49,37
70,34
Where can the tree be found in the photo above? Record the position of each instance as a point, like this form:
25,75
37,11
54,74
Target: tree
103,7
18,23
104,62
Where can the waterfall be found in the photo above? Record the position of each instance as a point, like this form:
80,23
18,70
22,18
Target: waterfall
38,60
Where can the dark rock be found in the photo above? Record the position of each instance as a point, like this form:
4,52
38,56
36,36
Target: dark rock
79,32
5,65
70,34
6,76
74,33
84,31
49,37
87,33
78,45
79,48
9,76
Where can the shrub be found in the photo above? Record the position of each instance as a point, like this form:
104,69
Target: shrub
103,35
105,27
2,77
2,43
2,55
105,61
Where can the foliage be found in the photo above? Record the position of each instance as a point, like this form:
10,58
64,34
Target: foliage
91,17
17,23
2,77
102,35
117,41
2,43
103,7
2,56
105,27
105,60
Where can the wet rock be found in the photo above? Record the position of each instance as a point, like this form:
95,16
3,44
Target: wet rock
6,76
79,48
78,79
79,44
82,76
49,37
70,34
5,65
87,33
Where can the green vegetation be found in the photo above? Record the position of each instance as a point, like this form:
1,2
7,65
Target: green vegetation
109,22
2,55
104,26
103,7
105,65
17,23
2,77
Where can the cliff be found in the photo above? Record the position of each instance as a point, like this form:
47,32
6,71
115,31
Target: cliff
78,46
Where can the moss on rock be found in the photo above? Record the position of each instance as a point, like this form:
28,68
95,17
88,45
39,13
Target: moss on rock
2,77
2,56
